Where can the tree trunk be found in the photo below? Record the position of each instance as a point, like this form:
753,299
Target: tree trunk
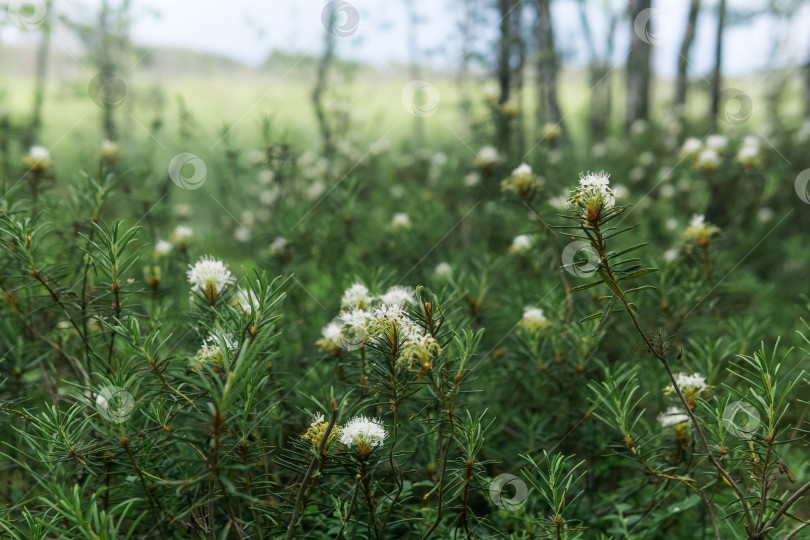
807,89
504,73
32,133
599,70
638,69
519,50
467,44
547,65
320,86
718,64
107,65
682,82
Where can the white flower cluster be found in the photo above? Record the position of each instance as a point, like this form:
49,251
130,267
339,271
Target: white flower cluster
393,321
533,319
749,154
521,244
699,231
694,382
363,433
211,351
210,276
673,416
401,221
522,181
487,157
356,296
364,316
594,192
247,300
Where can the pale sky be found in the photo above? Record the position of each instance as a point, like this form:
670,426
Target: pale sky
248,30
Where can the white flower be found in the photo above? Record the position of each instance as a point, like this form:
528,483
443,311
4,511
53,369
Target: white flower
693,383
751,140
533,319
667,191
717,142
269,196
636,174
638,127
182,234
671,224
109,149
364,433
278,245
520,244
708,160
472,179
356,296
765,215
247,300
211,351
691,147
487,156
397,295
444,270
401,220
209,274
672,417
748,156
697,220
331,336
646,158
39,153
671,254
163,248
560,202
266,176
241,234
594,190
317,418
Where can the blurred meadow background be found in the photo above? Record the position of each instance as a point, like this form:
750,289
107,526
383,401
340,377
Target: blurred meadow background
357,269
